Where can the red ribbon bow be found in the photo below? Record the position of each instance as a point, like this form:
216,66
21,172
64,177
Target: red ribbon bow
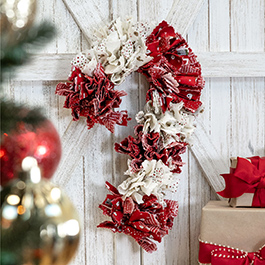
247,177
222,255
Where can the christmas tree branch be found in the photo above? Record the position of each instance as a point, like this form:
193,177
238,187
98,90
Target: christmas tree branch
18,53
13,114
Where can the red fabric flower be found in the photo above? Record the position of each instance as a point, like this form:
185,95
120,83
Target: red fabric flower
94,98
171,156
146,221
146,146
174,62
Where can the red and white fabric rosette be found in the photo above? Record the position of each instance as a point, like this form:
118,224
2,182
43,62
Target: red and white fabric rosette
174,72
144,222
93,97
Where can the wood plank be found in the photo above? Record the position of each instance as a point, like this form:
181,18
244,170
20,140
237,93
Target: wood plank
183,13
248,102
76,186
46,11
247,94
69,27
98,162
74,141
124,9
177,15
153,11
210,160
219,26
214,64
232,64
247,25
200,194
46,67
56,13
177,243
219,41
199,189
96,145
89,14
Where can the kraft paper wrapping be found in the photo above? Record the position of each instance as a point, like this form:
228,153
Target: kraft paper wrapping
246,199
242,228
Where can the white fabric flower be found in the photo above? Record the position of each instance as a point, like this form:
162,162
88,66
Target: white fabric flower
154,178
120,48
174,125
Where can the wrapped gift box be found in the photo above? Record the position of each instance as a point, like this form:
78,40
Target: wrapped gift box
244,200
235,232
245,184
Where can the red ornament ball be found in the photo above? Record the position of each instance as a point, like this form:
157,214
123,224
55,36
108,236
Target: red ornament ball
40,141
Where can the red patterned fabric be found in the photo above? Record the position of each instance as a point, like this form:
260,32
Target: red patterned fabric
214,254
144,222
146,146
247,177
94,98
174,62
174,75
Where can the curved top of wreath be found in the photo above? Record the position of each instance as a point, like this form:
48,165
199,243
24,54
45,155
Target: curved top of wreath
119,49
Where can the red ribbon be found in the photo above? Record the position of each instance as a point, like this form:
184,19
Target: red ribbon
223,255
247,177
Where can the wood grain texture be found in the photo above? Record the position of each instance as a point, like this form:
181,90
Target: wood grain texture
219,40
208,157
198,39
198,188
228,37
100,243
219,25
247,94
183,13
154,11
72,188
177,244
247,25
89,15
214,64
232,64
74,142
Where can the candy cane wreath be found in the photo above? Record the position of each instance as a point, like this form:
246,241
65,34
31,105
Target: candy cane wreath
137,207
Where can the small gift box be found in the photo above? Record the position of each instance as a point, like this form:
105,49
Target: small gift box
232,236
245,184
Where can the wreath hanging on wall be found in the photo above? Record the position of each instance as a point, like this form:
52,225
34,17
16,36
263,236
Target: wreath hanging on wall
138,206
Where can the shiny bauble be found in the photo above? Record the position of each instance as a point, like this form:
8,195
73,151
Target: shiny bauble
41,142
17,15
39,224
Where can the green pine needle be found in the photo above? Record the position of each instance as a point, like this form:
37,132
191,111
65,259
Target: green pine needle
12,114
27,42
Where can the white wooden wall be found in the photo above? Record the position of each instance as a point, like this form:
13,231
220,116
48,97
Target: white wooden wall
234,119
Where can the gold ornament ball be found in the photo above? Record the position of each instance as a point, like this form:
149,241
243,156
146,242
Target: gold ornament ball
17,14
39,224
